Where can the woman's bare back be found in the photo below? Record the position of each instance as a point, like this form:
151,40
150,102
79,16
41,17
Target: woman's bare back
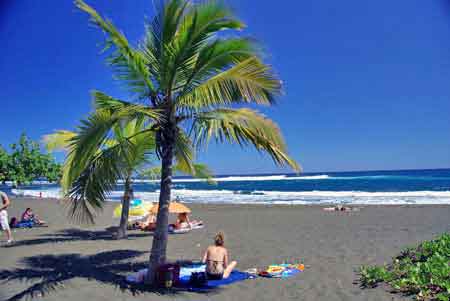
216,259
215,253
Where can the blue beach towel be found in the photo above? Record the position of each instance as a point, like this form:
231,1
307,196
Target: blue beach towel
235,276
289,273
24,224
185,276
186,271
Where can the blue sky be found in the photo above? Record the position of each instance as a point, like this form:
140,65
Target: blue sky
367,82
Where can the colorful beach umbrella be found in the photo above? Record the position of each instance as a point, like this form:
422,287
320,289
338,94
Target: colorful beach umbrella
174,207
140,210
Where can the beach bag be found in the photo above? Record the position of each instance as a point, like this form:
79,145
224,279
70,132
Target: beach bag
198,279
13,222
168,275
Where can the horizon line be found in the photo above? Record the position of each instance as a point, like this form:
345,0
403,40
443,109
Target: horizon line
321,172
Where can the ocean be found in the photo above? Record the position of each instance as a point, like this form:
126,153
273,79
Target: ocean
361,187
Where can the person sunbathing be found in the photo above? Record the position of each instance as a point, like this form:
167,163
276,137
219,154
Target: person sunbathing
216,259
340,208
29,216
148,225
183,222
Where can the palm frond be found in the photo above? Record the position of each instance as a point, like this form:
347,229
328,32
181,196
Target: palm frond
58,141
160,33
153,173
200,171
124,109
247,81
97,161
91,135
209,18
244,127
88,192
216,56
144,146
133,72
184,152
199,24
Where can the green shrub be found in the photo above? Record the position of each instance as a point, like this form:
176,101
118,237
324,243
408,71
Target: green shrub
423,271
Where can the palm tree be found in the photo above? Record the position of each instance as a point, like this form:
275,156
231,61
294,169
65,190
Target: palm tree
124,135
190,75
129,151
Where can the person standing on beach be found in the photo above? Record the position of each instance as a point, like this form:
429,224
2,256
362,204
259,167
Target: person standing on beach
4,216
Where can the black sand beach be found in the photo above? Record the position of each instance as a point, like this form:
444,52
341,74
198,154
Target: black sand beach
88,265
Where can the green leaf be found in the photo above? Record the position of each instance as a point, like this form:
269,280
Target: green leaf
244,127
104,150
58,141
247,81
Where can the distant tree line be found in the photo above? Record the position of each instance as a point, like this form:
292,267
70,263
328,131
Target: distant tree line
25,162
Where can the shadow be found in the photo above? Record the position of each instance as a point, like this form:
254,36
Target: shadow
69,235
48,273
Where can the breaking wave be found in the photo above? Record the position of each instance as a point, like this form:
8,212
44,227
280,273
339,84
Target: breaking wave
274,197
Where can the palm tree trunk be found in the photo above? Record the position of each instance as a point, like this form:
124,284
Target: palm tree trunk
122,230
161,235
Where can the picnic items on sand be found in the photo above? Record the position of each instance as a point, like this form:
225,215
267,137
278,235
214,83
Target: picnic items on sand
284,270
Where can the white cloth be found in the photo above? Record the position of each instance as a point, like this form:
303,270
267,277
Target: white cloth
187,271
139,276
4,219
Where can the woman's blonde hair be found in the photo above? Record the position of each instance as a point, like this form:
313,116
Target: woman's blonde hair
219,239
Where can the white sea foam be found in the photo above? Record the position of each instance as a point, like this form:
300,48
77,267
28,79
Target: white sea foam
45,193
290,178
276,197
239,179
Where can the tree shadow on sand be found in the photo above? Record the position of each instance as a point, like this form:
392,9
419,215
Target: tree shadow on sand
48,273
69,235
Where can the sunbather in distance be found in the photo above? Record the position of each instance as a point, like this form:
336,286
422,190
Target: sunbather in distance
183,222
340,208
29,216
148,225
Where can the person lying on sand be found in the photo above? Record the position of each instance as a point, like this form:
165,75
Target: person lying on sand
148,225
183,222
340,208
216,259
29,216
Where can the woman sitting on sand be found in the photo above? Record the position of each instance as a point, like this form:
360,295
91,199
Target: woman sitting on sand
216,259
29,216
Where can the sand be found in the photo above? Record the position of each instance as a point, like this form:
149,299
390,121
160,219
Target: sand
84,263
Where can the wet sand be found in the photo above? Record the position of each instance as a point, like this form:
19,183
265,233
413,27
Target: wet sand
84,263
